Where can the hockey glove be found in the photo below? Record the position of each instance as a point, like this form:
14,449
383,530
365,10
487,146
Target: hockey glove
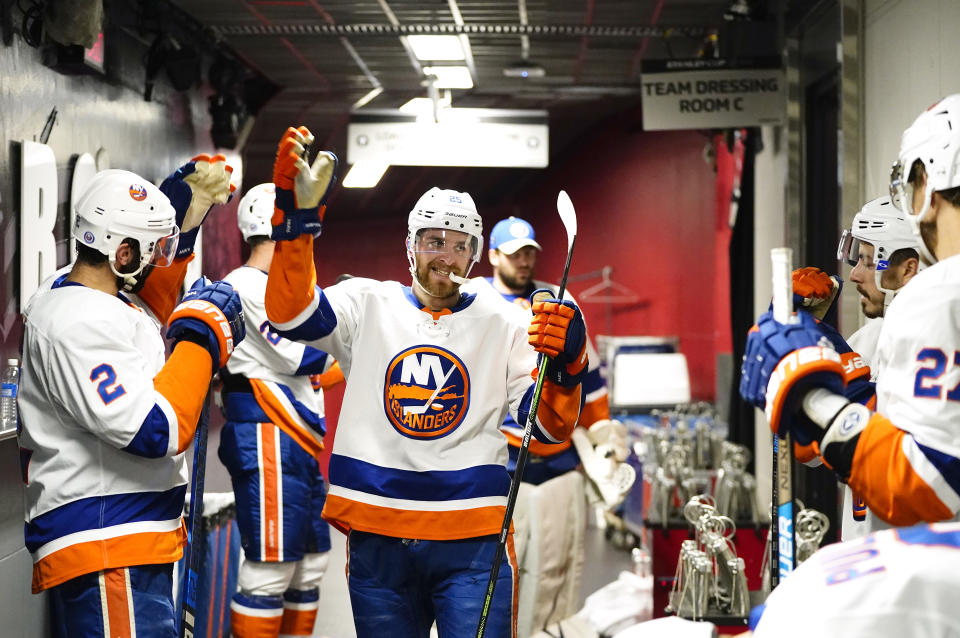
782,362
210,315
193,189
609,439
302,189
558,331
815,291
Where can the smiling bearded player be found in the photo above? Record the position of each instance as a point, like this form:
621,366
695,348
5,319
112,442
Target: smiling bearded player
417,474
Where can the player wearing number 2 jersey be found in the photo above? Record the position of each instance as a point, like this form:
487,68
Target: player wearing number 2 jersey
104,418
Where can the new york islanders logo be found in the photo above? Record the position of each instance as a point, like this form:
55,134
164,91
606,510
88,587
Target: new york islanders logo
138,192
426,392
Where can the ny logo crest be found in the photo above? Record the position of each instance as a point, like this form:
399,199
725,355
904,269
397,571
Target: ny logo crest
426,392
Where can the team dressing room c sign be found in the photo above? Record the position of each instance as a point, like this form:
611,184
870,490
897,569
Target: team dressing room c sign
698,94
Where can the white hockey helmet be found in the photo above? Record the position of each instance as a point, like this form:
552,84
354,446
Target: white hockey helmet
256,210
117,205
880,224
934,140
446,210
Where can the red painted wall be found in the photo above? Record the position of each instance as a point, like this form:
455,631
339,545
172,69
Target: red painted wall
646,206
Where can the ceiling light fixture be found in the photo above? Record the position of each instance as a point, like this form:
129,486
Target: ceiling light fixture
432,48
364,174
524,69
450,77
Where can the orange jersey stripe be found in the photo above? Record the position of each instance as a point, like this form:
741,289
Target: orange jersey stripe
270,497
283,420
596,410
162,288
332,376
117,602
512,557
183,381
882,476
146,548
243,626
559,409
346,514
298,622
537,447
292,280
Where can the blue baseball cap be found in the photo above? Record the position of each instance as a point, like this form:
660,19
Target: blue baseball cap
512,234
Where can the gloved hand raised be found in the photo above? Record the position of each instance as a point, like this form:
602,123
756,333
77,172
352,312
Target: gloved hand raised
302,189
815,291
210,315
558,331
782,362
193,189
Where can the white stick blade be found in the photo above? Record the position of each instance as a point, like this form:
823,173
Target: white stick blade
781,262
568,216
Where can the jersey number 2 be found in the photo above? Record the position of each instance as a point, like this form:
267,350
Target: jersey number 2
108,388
923,385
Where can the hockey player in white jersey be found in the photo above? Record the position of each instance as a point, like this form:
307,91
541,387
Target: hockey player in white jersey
901,459
269,444
104,418
881,248
513,252
892,583
417,474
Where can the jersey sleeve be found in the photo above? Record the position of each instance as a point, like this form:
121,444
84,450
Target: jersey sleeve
161,289
267,347
99,379
559,407
596,401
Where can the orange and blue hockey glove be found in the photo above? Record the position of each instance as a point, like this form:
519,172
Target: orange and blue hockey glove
557,330
302,188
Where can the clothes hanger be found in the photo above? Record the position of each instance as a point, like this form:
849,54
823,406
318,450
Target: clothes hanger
607,290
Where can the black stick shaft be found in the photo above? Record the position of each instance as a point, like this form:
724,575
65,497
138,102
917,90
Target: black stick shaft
188,609
518,472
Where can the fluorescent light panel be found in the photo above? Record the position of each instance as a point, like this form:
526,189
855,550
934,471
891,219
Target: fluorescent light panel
432,48
365,174
450,77
423,105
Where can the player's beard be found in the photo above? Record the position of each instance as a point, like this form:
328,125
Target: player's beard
871,308
435,284
517,280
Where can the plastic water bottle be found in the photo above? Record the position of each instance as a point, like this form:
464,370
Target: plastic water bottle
8,396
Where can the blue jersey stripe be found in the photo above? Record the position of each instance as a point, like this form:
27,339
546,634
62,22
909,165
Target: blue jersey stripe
318,325
592,381
97,512
313,362
153,437
434,485
948,466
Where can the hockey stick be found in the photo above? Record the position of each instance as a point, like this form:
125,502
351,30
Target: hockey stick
188,608
782,533
569,218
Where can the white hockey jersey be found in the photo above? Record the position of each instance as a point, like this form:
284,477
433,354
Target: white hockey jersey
418,451
907,471
890,584
104,483
278,369
864,342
